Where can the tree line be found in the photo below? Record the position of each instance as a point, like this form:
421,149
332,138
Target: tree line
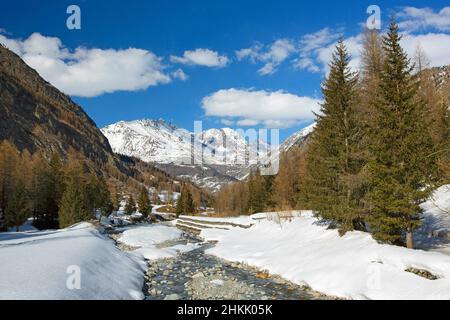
380,146
56,194
53,193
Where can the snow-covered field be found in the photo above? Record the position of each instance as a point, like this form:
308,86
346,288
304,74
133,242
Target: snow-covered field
45,265
354,266
146,239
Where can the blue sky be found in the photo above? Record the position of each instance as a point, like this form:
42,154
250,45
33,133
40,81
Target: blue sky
238,86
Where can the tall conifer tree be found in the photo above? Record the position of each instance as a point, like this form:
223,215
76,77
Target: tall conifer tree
143,202
75,204
402,162
333,186
130,206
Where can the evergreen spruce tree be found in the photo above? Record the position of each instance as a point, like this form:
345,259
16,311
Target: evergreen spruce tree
179,210
99,195
130,206
93,193
402,162
74,206
9,157
258,193
444,146
40,191
47,188
55,188
116,197
189,206
104,202
185,203
18,209
334,187
144,205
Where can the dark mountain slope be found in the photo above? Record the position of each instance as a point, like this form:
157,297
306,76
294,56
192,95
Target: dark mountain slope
36,116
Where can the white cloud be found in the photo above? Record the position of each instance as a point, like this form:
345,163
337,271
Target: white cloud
4,31
315,50
248,123
202,57
272,56
414,19
251,53
269,108
311,47
89,72
435,45
308,50
354,47
179,74
227,122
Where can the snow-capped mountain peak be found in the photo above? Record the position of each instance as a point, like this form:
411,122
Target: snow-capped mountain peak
161,142
221,155
149,140
297,138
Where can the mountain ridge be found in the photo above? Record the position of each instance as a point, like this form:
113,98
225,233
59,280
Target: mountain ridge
169,148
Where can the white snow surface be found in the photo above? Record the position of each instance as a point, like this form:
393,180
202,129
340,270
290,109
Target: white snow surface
353,266
149,235
146,238
435,231
34,265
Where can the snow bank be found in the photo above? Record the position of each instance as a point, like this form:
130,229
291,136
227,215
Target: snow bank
149,235
35,265
354,266
434,234
146,238
242,220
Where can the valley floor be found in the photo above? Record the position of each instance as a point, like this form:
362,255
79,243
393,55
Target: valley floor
264,256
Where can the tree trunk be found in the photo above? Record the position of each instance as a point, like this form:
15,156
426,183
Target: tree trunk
409,239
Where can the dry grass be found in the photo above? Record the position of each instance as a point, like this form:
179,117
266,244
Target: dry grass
166,209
